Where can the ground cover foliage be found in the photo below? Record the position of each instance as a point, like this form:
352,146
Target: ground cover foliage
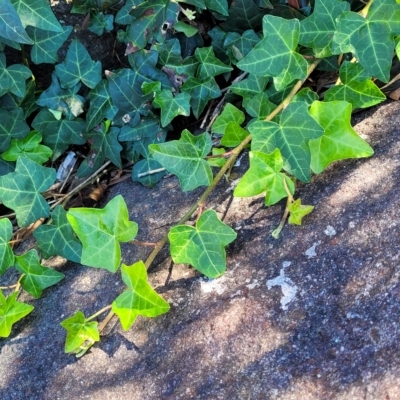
279,78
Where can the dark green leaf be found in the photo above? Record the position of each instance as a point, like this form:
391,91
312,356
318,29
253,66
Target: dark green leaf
356,88
47,43
59,134
185,158
20,190
237,46
233,135
100,22
220,6
11,311
58,238
276,54
148,172
250,87
36,277
171,105
101,230
305,95
259,106
209,66
6,253
13,78
11,27
290,136
265,175
202,246
81,334
340,140
139,299
78,67
12,125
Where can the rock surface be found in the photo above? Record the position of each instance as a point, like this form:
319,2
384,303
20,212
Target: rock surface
312,315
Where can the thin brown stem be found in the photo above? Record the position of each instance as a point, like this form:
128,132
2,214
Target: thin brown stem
96,314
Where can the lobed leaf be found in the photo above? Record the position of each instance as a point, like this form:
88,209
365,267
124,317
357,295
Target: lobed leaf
11,27
172,106
298,212
230,113
13,78
12,125
6,253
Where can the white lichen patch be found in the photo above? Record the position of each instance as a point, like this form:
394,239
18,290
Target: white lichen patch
310,253
289,289
213,285
330,231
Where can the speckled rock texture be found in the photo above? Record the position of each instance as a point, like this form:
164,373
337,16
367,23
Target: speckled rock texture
312,315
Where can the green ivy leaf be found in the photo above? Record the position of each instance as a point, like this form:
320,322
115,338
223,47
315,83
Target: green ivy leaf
10,24
11,311
101,106
290,136
20,190
356,88
250,87
59,134
317,30
37,13
259,106
185,158
340,140
209,66
171,105
58,238
276,54
230,113
13,78
139,299
148,172
220,6
217,161
201,93
202,246
187,29
234,134
305,95
237,46
100,232
6,253
100,22
36,277
12,125
298,212
264,175
81,334
29,147
370,39
78,67
64,100
47,43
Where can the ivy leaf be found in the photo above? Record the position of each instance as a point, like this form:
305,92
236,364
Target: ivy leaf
243,15
104,144
264,176
202,246
217,161
230,113
317,30
59,134
100,232
37,13
64,100
10,24
81,334
150,18
290,136
148,172
171,105
47,43
6,253
11,311
187,29
185,158
305,95
276,54
100,22
58,238
13,78
36,277
237,46
340,140
139,299
234,134
78,67
20,190
220,6
356,88
259,106
209,66
370,39
201,93
12,125
101,106
29,147
298,212
250,87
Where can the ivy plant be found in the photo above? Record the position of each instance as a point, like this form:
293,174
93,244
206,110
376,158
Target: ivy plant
278,81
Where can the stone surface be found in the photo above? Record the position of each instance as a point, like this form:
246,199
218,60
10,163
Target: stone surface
312,315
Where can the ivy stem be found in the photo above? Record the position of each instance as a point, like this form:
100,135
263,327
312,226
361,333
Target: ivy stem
98,313
139,243
8,287
226,167
275,234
